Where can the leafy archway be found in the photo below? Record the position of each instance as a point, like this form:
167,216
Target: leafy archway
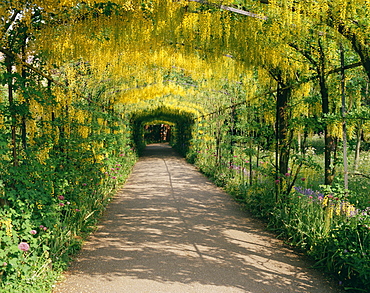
181,120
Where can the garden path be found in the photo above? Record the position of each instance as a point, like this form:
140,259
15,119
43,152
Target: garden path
171,230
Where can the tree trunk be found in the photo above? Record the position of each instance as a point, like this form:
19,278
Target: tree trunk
24,118
330,144
344,125
9,65
282,128
358,147
232,132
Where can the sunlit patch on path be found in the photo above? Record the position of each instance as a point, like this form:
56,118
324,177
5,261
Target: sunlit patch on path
171,230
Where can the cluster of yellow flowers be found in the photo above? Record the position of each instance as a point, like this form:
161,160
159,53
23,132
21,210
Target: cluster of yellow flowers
338,207
8,226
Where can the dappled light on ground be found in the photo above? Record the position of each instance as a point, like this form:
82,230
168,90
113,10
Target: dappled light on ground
171,230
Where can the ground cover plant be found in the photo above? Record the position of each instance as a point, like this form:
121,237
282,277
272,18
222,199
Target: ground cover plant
269,98
329,223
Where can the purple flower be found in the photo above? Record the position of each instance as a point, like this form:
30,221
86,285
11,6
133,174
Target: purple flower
33,232
84,184
309,192
23,246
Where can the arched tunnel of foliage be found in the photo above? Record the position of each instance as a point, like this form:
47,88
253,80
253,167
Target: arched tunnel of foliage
268,98
181,130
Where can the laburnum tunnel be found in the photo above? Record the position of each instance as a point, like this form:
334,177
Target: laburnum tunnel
163,124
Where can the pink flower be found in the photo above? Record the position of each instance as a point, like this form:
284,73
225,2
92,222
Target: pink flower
303,179
84,184
310,197
287,174
5,264
33,232
277,181
61,197
23,246
77,210
121,155
61,204
68,202
114,177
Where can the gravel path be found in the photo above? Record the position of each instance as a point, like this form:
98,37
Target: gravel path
171,230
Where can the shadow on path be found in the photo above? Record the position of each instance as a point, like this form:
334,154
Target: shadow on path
171,230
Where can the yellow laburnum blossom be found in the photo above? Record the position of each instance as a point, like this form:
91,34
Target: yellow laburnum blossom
8,226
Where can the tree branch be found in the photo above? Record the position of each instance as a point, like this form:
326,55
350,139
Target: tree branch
363,175
29,66
9,23
232,9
